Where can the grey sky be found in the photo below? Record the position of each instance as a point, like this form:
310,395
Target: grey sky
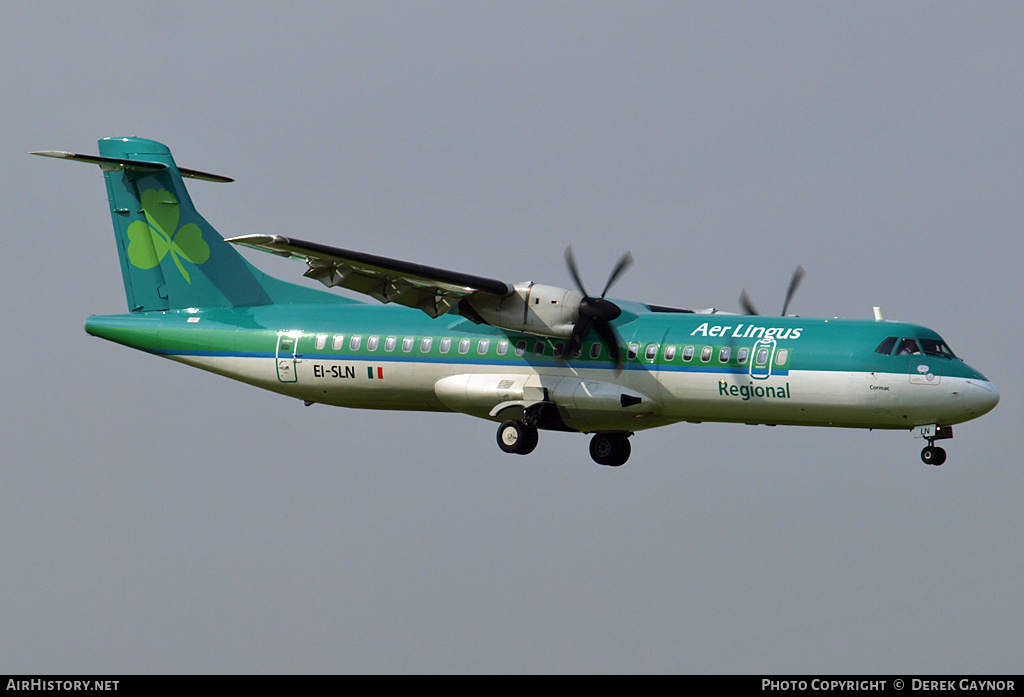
159,519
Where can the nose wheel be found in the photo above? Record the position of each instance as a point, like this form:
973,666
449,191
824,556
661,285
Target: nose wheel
933,455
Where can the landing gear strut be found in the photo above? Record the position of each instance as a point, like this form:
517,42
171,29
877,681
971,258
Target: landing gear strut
610,449
517,437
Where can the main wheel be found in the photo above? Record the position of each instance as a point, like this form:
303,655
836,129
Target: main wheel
610,449
517,437
933,455
529,440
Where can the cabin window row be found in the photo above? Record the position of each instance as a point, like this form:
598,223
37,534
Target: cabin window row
463,346
407,343
725,354
539,348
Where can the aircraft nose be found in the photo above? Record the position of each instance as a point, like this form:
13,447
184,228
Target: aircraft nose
982,397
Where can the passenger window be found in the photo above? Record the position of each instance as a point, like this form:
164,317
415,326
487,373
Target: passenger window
651,352
426,344
446,345
321,341
559,348
632,351
339,342
389,344
595,350
688,354
742,355
762,356
407,343
353,345
706,353
670,353
502,347
371,343
464,346
482,347
781,356
538,348
723,355
520,348
885,348
908,347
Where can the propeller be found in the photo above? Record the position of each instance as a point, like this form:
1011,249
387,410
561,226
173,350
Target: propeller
596,313
794,283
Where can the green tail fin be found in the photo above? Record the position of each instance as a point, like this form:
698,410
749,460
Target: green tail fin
171,258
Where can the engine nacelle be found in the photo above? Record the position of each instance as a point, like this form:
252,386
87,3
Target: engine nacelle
532,308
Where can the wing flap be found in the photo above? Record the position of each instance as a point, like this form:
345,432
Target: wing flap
432,290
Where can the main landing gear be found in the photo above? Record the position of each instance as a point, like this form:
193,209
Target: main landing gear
933,454
610,449
517,437
520,438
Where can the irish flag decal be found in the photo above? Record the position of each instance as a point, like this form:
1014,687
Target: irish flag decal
370,372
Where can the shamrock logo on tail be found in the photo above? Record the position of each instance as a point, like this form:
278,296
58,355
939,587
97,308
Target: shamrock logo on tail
151,240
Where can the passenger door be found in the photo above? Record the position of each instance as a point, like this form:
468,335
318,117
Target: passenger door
287,344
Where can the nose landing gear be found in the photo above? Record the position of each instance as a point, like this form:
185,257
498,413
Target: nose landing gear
932,454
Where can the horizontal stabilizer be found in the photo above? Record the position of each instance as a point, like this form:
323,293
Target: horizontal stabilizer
110,164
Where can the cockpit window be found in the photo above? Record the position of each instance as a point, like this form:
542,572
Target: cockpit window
885,348
908,347
936,347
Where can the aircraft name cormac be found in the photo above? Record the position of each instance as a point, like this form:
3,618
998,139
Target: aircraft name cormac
751,332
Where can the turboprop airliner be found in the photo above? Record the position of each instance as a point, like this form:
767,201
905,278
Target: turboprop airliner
528,356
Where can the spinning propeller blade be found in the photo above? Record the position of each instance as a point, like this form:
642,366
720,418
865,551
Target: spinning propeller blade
798,276
596,313
794,283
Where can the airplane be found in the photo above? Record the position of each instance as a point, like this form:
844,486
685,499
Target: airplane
528,356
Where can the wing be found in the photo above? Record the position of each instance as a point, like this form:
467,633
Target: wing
434,291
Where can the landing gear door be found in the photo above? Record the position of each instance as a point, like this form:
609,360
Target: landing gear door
761,358
287,343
